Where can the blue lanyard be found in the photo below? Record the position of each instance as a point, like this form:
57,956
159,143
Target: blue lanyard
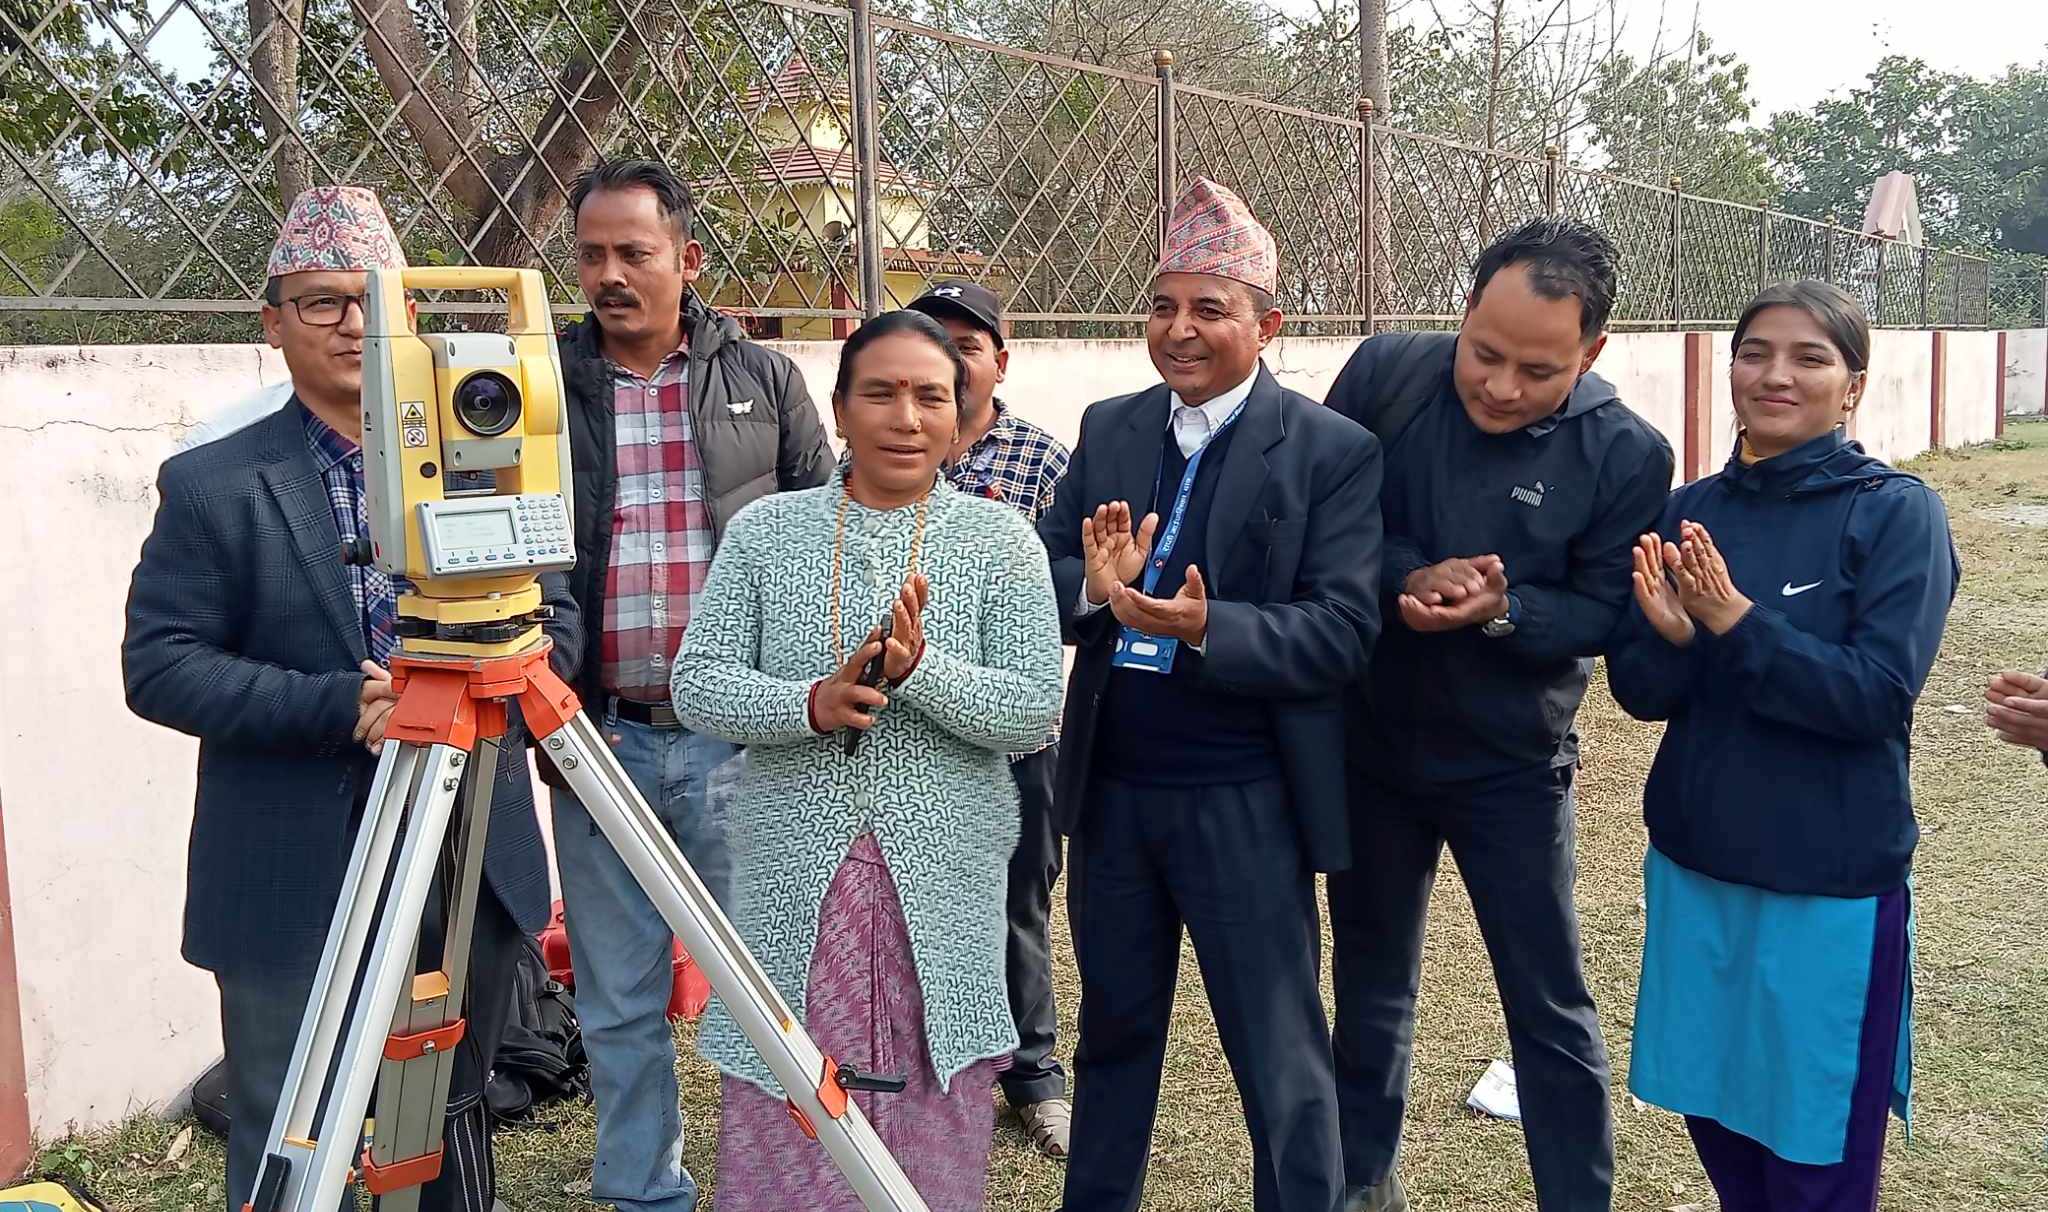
1162,550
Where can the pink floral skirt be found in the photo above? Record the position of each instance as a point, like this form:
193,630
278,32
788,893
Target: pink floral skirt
865,1009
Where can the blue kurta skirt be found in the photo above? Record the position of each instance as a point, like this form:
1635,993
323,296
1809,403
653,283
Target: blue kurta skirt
1750,1011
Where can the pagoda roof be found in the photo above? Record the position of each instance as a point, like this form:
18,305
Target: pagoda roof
796,84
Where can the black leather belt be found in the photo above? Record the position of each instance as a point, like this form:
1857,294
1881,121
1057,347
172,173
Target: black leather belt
653,715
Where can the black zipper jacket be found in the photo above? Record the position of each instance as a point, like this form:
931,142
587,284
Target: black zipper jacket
1561,502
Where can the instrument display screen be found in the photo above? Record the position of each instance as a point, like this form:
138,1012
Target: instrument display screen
492,534
493,529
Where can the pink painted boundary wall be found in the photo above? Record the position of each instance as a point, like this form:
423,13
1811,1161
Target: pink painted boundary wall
98,1015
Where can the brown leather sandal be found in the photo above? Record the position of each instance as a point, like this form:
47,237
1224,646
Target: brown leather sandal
1050,1124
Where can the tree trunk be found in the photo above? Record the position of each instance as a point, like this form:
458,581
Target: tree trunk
1493,89
1372,57
274,62
438,120
514,200
1373,86
462,28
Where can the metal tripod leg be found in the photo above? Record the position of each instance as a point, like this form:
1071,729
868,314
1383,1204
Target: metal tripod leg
593,772
314,1140
419,1057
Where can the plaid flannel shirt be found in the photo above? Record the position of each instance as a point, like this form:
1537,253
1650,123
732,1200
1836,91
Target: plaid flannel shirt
662,535
1016,463
341,468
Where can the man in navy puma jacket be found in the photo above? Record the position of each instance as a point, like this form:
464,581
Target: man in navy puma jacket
1516,484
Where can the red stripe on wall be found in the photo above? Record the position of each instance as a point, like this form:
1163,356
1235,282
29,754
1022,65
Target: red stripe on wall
1699,404
1938,393
16,1151
1998,425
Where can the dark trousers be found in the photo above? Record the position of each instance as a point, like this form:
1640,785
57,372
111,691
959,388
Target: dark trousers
1512,839
260,1011
1034,1074
1225,861
1750,1178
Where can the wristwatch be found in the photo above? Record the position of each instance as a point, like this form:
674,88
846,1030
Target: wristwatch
1494,629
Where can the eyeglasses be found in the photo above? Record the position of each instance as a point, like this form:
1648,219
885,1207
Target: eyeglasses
326,311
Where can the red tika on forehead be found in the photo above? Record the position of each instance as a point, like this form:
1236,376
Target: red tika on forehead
1213,232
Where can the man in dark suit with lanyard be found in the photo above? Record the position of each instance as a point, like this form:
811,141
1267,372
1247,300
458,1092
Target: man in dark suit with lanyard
1201,775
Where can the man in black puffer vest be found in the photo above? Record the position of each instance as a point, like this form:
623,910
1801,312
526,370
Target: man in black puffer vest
676,422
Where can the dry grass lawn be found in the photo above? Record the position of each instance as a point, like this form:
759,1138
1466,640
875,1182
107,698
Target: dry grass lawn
1982,1114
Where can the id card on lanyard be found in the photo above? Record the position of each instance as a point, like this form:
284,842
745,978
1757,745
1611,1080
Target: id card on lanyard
1137,649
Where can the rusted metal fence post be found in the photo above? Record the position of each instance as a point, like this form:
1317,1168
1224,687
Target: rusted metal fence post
1677,255
867,158
1169,156
1926,264
1551,157
1878,316
1368,212
1763,248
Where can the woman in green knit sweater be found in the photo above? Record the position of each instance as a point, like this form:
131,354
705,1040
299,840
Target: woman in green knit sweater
870,883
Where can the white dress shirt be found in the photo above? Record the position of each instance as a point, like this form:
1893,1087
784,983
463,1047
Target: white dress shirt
1194,424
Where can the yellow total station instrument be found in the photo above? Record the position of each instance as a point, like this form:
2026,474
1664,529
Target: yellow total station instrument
465,462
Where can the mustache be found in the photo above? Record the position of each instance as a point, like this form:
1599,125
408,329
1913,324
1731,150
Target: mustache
616,295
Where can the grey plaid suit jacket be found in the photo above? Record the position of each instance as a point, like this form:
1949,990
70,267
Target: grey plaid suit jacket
242,632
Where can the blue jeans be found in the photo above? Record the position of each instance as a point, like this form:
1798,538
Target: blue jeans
622,951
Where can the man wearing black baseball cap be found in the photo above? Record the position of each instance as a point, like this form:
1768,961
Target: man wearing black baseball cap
1006,458
972,302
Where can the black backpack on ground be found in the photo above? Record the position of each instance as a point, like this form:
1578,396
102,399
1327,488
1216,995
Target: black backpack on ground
210,1099
540,1060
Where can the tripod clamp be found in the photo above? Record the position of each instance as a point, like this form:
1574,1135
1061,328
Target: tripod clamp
835,1084
851,1078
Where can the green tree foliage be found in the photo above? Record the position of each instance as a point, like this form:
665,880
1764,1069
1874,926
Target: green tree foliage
50,55
1978,150
1907,117
1686,117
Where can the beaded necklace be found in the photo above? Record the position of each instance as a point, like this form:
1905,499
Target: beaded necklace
838,546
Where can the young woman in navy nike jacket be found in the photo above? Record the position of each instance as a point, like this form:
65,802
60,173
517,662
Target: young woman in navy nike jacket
1788,612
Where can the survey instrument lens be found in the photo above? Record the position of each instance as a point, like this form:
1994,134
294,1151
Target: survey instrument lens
487,403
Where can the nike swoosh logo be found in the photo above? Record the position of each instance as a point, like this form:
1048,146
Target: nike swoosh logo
1793,591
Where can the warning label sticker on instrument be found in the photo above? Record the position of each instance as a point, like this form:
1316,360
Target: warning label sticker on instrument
412,423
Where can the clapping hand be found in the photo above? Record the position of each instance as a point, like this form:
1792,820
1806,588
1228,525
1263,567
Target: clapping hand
1184,617
2018,709
1454,594
1112,554
1704,586
906,630
1655,594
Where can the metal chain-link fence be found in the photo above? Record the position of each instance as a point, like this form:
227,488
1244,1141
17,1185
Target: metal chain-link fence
840,159
2018,291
